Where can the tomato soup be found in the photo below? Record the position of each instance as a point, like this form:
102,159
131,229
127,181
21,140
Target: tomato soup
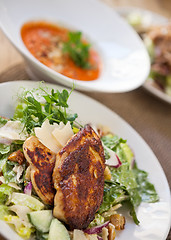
45,42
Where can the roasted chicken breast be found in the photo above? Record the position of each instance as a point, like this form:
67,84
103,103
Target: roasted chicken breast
79,179
42,162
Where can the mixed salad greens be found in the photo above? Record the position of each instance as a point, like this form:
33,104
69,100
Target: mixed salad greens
157,41
20,206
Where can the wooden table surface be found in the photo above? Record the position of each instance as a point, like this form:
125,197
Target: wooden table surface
10,57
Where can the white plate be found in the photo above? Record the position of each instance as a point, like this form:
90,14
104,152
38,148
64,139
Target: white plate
150,18
154,218
125,60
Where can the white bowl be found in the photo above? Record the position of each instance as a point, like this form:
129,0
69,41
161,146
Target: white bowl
125,60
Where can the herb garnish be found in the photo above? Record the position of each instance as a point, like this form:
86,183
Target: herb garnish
77,50
53,106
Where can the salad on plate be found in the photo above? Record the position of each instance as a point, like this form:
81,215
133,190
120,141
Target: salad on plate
62,180
156,36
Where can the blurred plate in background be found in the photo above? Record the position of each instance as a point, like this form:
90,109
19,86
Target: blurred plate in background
148,19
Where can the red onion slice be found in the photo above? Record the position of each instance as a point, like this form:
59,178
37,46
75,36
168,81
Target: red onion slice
132,163
28,189
97,229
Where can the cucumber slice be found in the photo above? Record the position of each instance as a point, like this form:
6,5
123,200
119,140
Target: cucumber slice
41,236
41,220
26,200
45,236
58,231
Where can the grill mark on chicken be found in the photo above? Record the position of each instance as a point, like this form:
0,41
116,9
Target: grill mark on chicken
79,179
42,162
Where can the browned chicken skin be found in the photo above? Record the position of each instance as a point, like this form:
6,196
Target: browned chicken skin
42,162
79,179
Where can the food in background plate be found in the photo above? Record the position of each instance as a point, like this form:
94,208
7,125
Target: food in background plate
62,50
61,180
157,39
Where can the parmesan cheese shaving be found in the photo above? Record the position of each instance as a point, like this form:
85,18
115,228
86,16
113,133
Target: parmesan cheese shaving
13,130
14,185
44,134
54,136
63,134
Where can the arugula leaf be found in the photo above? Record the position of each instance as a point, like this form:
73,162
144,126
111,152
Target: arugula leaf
113,194
126,178
124,175
77,50
131,182
33,112
134,215
114,143
145,188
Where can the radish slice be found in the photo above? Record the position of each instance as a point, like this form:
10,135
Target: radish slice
97,229
114,160
28,189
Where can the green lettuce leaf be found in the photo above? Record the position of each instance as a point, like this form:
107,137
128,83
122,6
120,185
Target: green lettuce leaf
125,177
4,149
3,211
145,188
5,192
3,121
7,166
127,183
112,141
113,194
98,220
8,173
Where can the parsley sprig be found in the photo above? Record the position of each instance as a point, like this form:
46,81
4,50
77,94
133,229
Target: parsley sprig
77,50
33,111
